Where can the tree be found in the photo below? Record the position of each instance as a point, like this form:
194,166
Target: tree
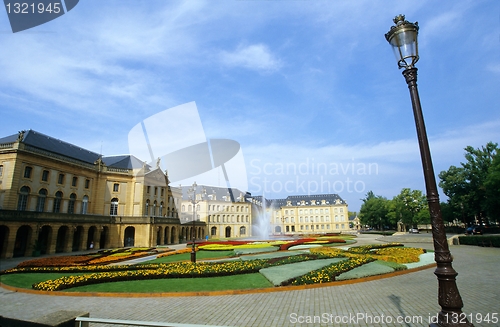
374,211
410,208
492,185
466,186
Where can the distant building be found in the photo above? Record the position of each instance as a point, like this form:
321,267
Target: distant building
304,214
355,222
226,212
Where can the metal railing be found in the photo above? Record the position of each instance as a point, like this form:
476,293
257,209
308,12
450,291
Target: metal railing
83,321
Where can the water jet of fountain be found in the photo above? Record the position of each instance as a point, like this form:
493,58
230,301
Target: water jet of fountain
261,229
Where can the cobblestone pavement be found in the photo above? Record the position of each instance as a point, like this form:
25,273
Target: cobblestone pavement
411,297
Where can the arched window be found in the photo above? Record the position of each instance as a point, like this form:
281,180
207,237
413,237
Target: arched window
183,208
85,204
71,203
22,202
40,203
243,230
57,202
113,209
161,208
154,207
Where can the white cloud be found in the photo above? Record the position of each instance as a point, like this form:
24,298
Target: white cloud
494,68
254,57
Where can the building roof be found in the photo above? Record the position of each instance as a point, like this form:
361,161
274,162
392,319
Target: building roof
219,192
125,161
50,144
297,200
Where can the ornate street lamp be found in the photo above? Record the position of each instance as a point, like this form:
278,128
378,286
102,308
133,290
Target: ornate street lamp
192,197
403,39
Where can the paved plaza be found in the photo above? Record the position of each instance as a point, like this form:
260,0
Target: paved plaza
405,300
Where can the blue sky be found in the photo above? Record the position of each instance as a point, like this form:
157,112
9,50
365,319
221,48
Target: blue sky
309,88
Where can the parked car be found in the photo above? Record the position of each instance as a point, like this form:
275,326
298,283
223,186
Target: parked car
413,231
474,230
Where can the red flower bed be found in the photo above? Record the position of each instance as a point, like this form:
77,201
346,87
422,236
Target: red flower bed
286,246
335,240
70,260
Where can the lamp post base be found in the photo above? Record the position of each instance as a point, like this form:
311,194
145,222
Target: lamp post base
193,257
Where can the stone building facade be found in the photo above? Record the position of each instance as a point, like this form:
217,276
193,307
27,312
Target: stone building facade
227,213
306,214
58,197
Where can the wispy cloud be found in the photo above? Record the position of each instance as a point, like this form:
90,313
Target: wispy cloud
254,57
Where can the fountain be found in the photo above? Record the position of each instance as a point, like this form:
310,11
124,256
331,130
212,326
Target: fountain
261,229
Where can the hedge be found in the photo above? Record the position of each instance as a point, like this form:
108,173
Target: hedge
491,241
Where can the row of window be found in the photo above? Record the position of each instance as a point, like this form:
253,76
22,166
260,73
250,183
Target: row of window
213,231
314,228
313,211
41,201
149,210
216,208
61,177
313,219
228,219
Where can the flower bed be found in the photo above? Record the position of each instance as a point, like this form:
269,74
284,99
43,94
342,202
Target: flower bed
328,273
70,260
368,248
391,253
172,270
172,252
99,258
399,255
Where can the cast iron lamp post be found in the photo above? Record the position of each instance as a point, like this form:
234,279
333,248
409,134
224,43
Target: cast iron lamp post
192,197
403,39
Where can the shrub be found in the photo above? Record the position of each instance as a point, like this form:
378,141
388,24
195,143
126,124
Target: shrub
489,240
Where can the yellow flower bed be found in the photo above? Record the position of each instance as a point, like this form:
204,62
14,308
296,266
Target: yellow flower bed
223,247
399,254
166,254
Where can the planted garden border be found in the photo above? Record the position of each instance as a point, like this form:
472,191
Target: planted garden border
356,256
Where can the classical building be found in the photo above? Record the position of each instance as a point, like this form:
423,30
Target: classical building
226,212
305,214
58,197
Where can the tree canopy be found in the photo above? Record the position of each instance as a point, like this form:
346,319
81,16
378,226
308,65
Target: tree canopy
473,187
409,208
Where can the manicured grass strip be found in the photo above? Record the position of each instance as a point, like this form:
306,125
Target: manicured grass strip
279,275
272,255
425,259
369,269
224,283
27,280
258,250
200,255
330,272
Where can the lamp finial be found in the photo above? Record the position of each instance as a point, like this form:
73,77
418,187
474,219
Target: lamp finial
399,18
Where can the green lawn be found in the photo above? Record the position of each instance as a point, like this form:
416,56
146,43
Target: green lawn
25,280
200,255
235,282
